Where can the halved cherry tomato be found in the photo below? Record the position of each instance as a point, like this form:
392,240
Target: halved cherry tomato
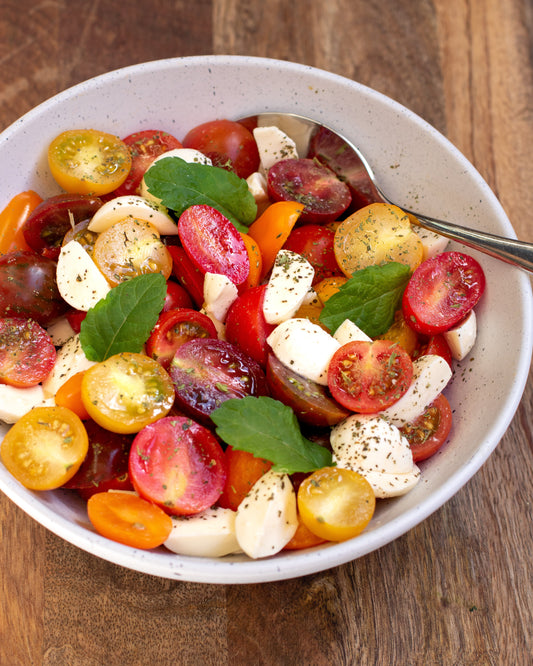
88,161
272,228
376,234
213,243
187,274
178,465
80,233
207,372
246,325
435,345
328,286
69,395
144,147
256,263
367,377
45,447
315,243
335,503
128,519
175,327
228,144
46,226
243,470
105,466
430,430
27,353
303,538
129,248
401,333
74,318
13,218
177,297
310,401
312,184
126,392
442,291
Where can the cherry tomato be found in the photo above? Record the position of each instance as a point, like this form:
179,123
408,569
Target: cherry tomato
207,372
310,401
436,345
315,243
303,538
46,226
324,196
80,232
28,287
243,470
188,275
442,291
430,430
228,144
129,248
128,519
89,161
175,327
13,218
401,333
329,286
336,504
246,325
367,377
376,234
144,147
213,244
177,297
45,447
69,395
178,465
126,392
256,263
105,466
27,353
74,318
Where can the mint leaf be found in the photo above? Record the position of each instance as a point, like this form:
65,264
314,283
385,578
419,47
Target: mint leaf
369,299
268,429
123,320
181,184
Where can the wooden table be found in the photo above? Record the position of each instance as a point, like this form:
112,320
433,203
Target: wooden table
457,589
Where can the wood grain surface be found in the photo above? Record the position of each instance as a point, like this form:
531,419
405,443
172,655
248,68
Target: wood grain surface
457,589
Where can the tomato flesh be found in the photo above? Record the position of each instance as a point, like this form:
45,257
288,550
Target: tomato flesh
27,353
430,430
315,243
242,470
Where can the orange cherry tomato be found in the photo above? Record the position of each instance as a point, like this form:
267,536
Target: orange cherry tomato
12,220
402,333
243,470
303,538
328,286
69,395
272,228
129,519
256,263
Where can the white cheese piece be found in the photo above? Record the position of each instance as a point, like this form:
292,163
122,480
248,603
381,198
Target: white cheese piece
311,298
79,280
350,332
15,402
210,533
378,451
257,185
219,294
304,347
69,361
432,243
462,337
288,286
135,207
188,155
299,132
266,518
273,146
219,325
430,376
60,331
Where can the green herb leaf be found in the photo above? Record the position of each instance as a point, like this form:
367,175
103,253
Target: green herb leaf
268,429
369,299
123,320
181,184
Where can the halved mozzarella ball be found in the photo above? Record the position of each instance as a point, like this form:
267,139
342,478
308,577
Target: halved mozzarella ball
210,533
462,337
70,359
15,402
432,243
273,145
138,208
80,282
350,332
219,294
288,286
60,331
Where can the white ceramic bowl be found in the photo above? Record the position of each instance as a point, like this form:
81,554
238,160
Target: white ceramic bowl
429,175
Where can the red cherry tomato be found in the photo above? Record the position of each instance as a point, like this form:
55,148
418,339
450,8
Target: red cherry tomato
207,372
437,345
324,196
227,143
213,243
367,377
310,401
315,243
174,328
178,465
243,470
27,353
74,318
246,325
177,297
188,275
144,147
442,291
430,430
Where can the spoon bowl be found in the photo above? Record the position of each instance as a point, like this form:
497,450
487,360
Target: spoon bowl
315,140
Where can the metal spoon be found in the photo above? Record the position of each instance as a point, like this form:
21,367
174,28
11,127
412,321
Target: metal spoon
315,139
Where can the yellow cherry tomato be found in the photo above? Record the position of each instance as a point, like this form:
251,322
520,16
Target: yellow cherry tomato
402,334
126,392
45,448
376,234
88,161
328,286
336,504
